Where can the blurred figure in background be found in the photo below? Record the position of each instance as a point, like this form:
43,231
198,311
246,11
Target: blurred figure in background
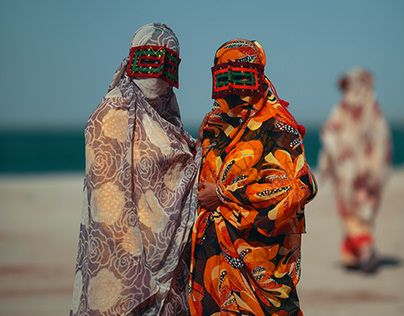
140,171
356,156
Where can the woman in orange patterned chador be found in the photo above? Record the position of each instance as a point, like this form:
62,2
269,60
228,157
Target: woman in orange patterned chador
246,239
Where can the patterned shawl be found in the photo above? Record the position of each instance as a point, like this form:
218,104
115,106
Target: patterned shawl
246,253
140,200
356,138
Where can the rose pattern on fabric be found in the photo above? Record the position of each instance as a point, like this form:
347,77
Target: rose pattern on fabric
125,267
103,281
108,203
110,236
151,213
115,125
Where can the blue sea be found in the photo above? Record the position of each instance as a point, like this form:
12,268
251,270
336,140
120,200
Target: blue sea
47,151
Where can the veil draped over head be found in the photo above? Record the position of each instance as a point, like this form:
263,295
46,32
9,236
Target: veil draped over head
139,197
246,252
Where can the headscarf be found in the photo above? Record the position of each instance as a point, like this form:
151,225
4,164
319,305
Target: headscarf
140,172
356,138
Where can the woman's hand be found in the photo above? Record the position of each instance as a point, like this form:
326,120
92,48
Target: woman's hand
207,196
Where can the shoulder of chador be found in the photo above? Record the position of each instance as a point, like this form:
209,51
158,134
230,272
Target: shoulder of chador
114,93
281,113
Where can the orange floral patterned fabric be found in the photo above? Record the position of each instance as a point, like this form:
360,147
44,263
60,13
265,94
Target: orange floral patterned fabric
246,253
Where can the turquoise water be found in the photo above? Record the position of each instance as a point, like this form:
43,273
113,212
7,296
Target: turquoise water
63,151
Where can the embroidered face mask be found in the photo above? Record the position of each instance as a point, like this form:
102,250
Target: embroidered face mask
151,61
241,78
239,69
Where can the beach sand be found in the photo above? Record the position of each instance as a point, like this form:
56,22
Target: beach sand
39,231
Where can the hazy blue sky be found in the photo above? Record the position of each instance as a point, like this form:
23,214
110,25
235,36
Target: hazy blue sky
57,57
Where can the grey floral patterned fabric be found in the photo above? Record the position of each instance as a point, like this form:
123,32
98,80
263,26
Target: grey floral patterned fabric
140,201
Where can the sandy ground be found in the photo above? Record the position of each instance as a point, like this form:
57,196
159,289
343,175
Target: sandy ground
39,231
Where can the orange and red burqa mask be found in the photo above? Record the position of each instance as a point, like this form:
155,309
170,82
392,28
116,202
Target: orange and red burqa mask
239,80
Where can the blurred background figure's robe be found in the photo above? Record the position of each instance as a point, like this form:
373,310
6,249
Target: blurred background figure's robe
356,156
